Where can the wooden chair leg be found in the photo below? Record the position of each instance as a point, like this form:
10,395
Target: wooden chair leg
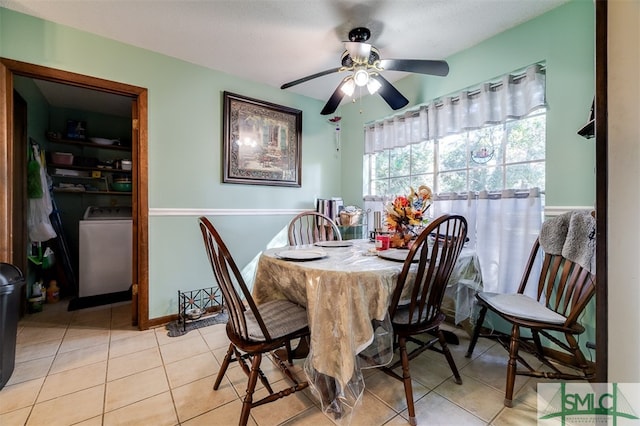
512,365
223,367
476,331
406,380
251,386
450,360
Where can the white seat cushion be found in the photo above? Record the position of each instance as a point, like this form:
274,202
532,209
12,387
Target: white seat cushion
281,317
521,306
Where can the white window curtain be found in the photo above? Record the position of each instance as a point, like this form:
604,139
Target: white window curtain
502,228
514,96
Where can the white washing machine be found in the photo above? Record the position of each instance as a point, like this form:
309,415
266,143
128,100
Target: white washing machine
105,260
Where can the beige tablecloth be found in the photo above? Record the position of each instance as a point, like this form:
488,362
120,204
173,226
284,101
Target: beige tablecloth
346,294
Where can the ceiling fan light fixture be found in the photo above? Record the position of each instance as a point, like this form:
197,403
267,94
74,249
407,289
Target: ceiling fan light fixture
348,87
373,85
361,77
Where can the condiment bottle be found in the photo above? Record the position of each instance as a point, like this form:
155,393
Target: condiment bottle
53,292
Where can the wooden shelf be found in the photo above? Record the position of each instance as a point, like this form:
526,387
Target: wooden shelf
67,191
89,144
88,169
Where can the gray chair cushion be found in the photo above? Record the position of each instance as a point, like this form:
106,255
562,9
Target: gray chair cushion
521,306
281,317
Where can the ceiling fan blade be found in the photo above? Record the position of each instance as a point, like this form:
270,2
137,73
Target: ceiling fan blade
335,99
422,66
358,51
309,77
390,94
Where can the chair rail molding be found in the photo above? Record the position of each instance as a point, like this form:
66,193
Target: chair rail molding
550,211
159,211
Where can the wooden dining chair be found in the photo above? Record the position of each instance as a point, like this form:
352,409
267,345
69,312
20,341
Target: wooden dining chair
415,309
310,227
253,329
563,289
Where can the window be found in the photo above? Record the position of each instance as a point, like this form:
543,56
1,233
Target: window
492,138
503,156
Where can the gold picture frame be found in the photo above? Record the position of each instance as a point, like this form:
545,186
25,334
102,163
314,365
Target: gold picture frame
262,142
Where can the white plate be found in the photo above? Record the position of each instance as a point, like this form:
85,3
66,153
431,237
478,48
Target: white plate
395,254
334,244
103,141
301,254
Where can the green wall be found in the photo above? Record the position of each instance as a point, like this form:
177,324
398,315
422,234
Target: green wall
185,128
564,38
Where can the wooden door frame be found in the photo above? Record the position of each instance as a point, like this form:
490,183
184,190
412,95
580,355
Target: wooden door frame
140,202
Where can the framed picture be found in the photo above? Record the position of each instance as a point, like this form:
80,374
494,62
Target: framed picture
261,142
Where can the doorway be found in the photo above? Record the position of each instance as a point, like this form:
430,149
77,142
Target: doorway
13,217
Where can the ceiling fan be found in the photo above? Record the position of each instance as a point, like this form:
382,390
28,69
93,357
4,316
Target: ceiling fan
363,62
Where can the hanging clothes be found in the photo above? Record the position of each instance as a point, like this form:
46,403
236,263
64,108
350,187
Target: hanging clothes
38,222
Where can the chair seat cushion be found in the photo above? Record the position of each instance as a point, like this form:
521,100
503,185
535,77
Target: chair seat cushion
521,306
281,317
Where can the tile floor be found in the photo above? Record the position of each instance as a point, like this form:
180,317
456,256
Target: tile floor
90,367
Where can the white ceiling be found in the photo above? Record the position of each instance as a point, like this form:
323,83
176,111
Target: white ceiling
277,41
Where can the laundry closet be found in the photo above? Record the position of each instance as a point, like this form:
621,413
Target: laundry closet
85,139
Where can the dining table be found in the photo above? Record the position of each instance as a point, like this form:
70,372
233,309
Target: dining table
346,288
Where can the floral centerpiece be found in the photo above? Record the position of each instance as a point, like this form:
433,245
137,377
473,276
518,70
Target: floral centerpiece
405,214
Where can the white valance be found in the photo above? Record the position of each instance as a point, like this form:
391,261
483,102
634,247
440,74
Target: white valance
513,97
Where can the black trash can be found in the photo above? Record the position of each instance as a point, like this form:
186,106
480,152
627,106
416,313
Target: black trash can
11,283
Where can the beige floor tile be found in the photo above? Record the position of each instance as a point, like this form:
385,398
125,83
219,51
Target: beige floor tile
491,368
94,421
157,411
135,387
196,398
434,409
227,414
128,331
16,417
191,369
183,349
134,343
28,352
69,409
20,395
164,338
136,362
215,336
70,381
428,371
480,399
79,358
371,411
81,338
239,379
398,421
38,333
311,416
29,370
96,316
520,415
278,411
528,393
391,391
139,389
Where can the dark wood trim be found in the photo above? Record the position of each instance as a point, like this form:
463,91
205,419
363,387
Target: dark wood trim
9,68
602,173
